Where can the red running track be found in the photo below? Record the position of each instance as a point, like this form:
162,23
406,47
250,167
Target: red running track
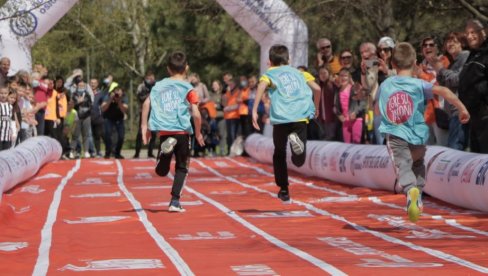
109,217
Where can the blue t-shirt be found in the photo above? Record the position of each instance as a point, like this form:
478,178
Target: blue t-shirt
402,102
170,109
291,97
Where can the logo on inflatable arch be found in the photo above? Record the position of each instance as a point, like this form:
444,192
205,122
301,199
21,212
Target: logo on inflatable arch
481,176
468,171
356,162
23,23
342,160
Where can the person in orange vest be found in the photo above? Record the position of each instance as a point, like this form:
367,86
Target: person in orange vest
62,99
231,112
51,117
243,99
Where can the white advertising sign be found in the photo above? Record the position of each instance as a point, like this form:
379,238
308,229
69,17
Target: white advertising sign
457,177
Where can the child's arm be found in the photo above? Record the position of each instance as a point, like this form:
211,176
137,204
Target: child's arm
447,94
316,95
144,114
197,121
259,94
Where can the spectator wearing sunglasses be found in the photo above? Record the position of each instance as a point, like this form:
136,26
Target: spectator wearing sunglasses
325,56
348,60
426,71
385,49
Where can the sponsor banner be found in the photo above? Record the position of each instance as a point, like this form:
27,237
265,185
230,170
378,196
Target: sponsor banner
456,177
459,178
23,162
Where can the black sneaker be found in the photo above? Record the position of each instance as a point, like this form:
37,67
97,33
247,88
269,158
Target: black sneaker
175,206
284,195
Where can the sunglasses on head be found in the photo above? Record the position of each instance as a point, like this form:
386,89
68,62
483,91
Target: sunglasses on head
325,47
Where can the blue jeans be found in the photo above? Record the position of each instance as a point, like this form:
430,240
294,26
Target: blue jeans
379,138
457,134
120,130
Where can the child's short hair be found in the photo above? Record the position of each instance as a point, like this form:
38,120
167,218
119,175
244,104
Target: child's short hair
177,62
404,56
278,55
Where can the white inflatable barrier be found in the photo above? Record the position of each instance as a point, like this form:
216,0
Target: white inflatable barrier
23,162
456,177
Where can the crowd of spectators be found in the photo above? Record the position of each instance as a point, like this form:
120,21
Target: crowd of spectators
81,113
77,113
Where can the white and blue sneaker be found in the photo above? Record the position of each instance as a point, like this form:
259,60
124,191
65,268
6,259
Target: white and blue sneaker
296,144
175,206
168,145
414,204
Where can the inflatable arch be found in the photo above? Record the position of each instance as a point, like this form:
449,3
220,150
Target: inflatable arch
267,22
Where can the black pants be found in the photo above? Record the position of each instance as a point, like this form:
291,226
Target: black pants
280,138
182,155
97,132
50,128
150,146
478,134
5,145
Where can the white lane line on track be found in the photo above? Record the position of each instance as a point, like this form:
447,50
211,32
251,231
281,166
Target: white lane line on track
450,222
42,263
172,254
279,243
433,252
375,200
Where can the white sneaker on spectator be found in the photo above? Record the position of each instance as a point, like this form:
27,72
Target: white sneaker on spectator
87,154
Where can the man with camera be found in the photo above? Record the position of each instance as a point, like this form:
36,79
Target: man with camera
114,108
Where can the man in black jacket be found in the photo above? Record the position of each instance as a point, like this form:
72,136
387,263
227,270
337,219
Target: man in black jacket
114,108
143,91
473,86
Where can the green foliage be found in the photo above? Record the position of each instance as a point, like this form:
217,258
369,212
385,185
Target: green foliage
127,37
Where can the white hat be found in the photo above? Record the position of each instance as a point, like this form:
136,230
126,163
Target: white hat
386,41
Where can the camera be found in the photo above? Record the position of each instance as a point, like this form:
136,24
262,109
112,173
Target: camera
371,62
77,79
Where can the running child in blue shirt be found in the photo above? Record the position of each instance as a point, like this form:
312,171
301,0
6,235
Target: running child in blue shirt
171,100
402,101
293,104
